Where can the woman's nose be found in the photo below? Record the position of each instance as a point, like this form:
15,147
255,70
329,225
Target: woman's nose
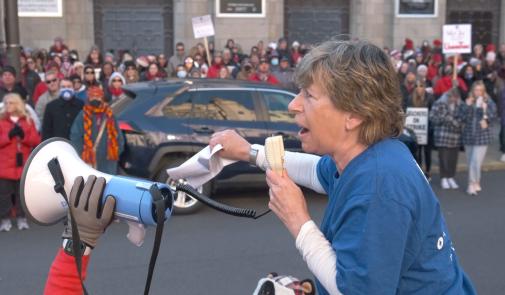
295,106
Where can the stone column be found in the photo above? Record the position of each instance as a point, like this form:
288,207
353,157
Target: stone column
501,30
372,21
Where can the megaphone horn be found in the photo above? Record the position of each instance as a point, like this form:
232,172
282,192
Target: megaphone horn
44,206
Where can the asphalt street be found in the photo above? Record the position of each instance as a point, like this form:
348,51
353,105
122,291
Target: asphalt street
210,252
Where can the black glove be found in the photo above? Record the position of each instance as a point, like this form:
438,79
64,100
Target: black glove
91,217
16,131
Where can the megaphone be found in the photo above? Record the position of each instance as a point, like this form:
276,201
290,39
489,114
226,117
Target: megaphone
44,206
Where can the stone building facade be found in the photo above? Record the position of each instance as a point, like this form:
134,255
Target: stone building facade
152,26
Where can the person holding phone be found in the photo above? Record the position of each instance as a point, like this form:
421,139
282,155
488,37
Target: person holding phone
479,112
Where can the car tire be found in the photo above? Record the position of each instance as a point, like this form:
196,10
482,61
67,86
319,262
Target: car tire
183,203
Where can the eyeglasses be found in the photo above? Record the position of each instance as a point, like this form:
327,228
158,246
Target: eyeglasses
51,81
89,73
117,80
180,49
77,81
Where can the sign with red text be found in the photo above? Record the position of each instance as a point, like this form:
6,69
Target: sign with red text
457,39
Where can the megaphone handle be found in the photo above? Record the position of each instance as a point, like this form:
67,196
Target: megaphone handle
59,182
57,174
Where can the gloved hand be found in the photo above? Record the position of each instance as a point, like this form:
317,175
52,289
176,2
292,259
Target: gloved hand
16,131
85,201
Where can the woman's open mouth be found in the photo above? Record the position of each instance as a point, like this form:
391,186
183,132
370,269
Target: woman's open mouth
303,131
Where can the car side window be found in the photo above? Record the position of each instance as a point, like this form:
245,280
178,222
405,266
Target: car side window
179,106
229,105
277,104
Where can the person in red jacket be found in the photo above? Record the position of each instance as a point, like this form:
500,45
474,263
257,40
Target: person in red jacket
18,136
263,73
445,83
216,66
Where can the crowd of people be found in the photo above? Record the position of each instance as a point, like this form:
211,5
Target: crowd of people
57,94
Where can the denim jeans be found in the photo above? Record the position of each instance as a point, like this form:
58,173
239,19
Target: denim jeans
475,156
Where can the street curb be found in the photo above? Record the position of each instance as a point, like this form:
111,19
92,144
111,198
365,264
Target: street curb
489,166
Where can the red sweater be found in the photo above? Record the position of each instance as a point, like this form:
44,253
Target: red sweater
445,83
63,278
10,147
271,79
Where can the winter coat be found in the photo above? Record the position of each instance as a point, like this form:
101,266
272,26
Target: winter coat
77,139
9,168
473,133
59,117
446,122
445,83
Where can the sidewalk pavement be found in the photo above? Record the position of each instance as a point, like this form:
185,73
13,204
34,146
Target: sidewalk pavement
491,161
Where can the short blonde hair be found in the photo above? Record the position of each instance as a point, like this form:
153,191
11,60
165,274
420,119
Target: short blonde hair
360,79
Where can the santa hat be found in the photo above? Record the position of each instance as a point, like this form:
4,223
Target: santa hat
409,44
437,42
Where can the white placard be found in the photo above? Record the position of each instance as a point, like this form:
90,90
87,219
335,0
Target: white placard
40,8
457,39
417,120
202,26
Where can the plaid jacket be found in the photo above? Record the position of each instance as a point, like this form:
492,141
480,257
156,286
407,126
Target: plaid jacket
446,123
473,134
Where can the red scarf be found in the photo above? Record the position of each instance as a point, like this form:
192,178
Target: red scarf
115,91
88,155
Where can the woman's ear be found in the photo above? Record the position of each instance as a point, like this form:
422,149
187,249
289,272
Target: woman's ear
352,121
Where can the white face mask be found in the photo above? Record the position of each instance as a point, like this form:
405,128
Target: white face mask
66,93
182,74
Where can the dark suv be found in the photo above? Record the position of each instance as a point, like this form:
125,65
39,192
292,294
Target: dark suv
167,122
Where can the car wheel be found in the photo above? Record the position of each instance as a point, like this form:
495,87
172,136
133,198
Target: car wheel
183,203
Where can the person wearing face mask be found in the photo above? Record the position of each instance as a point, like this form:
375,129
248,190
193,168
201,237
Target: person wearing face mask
467,73
181,72
95,133
60,113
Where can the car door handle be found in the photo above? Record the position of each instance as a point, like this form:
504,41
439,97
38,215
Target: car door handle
203,130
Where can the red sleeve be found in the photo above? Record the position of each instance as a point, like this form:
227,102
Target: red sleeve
32,137
462,84
213,72
63,278
273,80
39,90
4,135
439,88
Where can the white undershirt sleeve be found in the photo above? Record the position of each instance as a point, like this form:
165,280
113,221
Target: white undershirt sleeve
320,257
301,167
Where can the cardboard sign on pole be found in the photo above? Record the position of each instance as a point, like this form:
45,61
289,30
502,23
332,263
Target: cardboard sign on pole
203,28
417,120
457,38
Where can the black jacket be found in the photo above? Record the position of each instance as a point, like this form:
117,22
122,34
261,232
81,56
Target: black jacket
18,88
59,116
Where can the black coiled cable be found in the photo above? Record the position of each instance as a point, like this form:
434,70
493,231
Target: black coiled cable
239,212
